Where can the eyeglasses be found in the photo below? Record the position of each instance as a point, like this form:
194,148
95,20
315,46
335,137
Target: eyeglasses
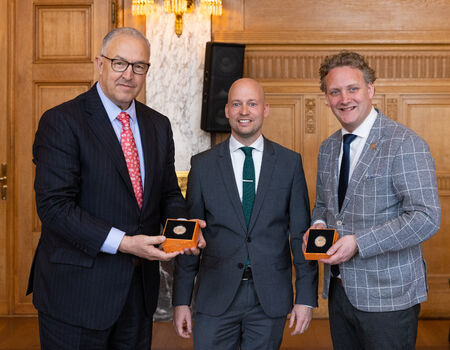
119,65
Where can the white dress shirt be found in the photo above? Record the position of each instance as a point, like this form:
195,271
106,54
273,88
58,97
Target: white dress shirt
362,132
238,158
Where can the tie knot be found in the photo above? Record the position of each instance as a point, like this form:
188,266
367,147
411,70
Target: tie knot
247,151
348,138
124,118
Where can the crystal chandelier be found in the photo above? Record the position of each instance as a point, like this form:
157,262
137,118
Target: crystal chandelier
211,7
179,8
142,7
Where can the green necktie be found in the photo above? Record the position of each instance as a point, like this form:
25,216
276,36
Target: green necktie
248,184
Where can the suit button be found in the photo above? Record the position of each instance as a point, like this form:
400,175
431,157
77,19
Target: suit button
240,265
249,239
339,223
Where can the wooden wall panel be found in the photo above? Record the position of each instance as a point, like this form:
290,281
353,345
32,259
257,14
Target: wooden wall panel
284,123
5,230
303,62
345,15
322,22
63,33
50,94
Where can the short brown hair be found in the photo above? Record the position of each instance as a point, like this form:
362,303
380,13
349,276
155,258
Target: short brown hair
345,59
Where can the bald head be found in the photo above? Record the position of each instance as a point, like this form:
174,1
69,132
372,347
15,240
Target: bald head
246,109
247,83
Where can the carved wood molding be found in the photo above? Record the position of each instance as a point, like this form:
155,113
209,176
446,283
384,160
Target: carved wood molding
443,181
392,108
333,37
288,64
310,114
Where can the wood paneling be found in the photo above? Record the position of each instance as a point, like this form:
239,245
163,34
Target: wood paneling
302,62
63,33
323,22
5,238
286,111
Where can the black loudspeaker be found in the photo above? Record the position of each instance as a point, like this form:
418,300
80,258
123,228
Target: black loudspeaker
224,63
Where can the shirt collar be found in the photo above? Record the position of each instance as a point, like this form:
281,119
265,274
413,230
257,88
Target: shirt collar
257,145
364,129
112,109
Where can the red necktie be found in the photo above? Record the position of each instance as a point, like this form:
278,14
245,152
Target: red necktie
131,156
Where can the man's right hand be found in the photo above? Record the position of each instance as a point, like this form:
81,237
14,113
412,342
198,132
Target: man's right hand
144,247
182,321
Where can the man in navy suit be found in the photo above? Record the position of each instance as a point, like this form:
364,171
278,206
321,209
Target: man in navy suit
103,188
244,276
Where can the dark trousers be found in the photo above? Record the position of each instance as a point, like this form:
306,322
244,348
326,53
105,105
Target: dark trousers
359,330
132,331
243,326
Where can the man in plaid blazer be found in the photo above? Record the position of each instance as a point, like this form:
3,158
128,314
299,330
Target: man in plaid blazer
375,277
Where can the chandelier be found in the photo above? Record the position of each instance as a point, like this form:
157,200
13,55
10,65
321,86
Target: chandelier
177,7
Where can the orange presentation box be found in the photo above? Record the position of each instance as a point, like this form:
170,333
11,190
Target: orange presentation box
180,234
318,243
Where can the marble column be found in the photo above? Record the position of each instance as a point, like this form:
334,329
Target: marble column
175,81
174,88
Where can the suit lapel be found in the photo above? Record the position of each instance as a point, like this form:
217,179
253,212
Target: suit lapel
100,125
148,139
366,158
334,166
265,176
229,181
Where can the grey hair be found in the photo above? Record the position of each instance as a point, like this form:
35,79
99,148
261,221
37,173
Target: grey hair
123,31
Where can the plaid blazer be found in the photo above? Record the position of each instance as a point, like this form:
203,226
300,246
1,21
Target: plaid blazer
391,205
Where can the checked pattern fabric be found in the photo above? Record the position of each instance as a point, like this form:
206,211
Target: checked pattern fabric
131,156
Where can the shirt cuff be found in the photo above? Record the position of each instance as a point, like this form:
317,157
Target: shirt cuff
112,241
319,222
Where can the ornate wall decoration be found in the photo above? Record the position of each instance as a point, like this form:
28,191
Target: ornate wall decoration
392,108
310,114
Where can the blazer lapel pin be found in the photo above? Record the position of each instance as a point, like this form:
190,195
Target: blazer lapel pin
373,146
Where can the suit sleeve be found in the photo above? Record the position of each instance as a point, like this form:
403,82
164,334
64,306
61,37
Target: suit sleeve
414,183
306,271
57,184
186,266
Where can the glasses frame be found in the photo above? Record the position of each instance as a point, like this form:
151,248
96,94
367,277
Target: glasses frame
128,64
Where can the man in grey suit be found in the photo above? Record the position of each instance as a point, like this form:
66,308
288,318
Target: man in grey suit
244,275
376,184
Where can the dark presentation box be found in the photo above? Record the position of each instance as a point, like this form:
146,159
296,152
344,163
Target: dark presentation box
180,234
318,243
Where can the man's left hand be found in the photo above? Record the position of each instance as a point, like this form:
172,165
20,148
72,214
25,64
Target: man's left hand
300,315
201,241
342,251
